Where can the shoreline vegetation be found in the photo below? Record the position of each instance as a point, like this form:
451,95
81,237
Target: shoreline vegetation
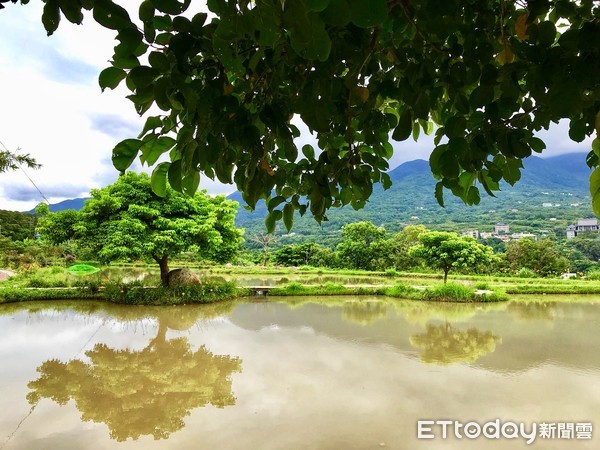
109,284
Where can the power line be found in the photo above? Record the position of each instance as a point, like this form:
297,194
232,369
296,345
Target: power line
25,173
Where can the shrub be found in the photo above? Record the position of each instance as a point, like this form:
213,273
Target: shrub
524,272
451,292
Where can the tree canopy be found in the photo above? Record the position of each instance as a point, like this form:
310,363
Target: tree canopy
126,220
483,75
443,250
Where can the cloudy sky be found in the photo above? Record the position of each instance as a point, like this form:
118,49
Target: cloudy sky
51,107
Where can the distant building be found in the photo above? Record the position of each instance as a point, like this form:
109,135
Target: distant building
485,235
501,228
547,205
582,226
518,236
472,233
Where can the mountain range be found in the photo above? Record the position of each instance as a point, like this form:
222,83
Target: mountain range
552,193
543,200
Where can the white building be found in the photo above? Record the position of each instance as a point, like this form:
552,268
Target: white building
501,228
582,226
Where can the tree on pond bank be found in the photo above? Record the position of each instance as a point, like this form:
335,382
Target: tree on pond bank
127,221
484,75
443,250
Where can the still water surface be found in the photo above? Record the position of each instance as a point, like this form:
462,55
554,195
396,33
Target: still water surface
336,373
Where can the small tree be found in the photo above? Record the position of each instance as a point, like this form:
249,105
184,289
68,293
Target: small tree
264,239
126,220
442,250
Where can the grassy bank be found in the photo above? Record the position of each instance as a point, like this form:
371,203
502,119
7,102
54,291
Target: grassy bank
450,292
130,294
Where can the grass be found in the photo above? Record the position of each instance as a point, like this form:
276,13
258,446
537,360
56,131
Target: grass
450,292
57,282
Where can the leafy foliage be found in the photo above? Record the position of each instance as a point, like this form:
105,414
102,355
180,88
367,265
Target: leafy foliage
12,161
17,226
358,249
542,257
487,74
446,251
126,221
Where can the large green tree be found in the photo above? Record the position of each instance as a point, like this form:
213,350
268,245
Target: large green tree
126,220
484,75
446,251
541,256
359,246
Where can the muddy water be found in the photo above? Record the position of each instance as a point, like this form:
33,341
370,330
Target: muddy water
332,373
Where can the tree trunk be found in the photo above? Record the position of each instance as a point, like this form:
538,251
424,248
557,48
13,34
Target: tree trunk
265,255
446,275
163,263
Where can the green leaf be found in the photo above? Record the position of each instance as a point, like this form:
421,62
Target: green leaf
596,146
51,16
439,193
337,13
346,195
275,202
546,33
310,39
110,15
155,147
111,77
72,11
512,170
152,123
174,175
416,131
577,130
159,179
288,216
143,76
146,11
171,6
595,190
455,127
316,5
405,126
124,153
537,145
368,13
309,152
270,222
190,183
473,197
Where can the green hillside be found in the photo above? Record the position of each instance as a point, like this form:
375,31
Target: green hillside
16,226
560,181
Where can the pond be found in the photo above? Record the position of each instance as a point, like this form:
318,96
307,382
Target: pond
299,373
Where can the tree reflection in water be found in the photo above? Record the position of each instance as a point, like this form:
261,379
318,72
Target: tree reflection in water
140,392
534,310
364,312
445,344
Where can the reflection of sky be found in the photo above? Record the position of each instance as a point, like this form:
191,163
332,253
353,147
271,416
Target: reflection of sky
312,380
